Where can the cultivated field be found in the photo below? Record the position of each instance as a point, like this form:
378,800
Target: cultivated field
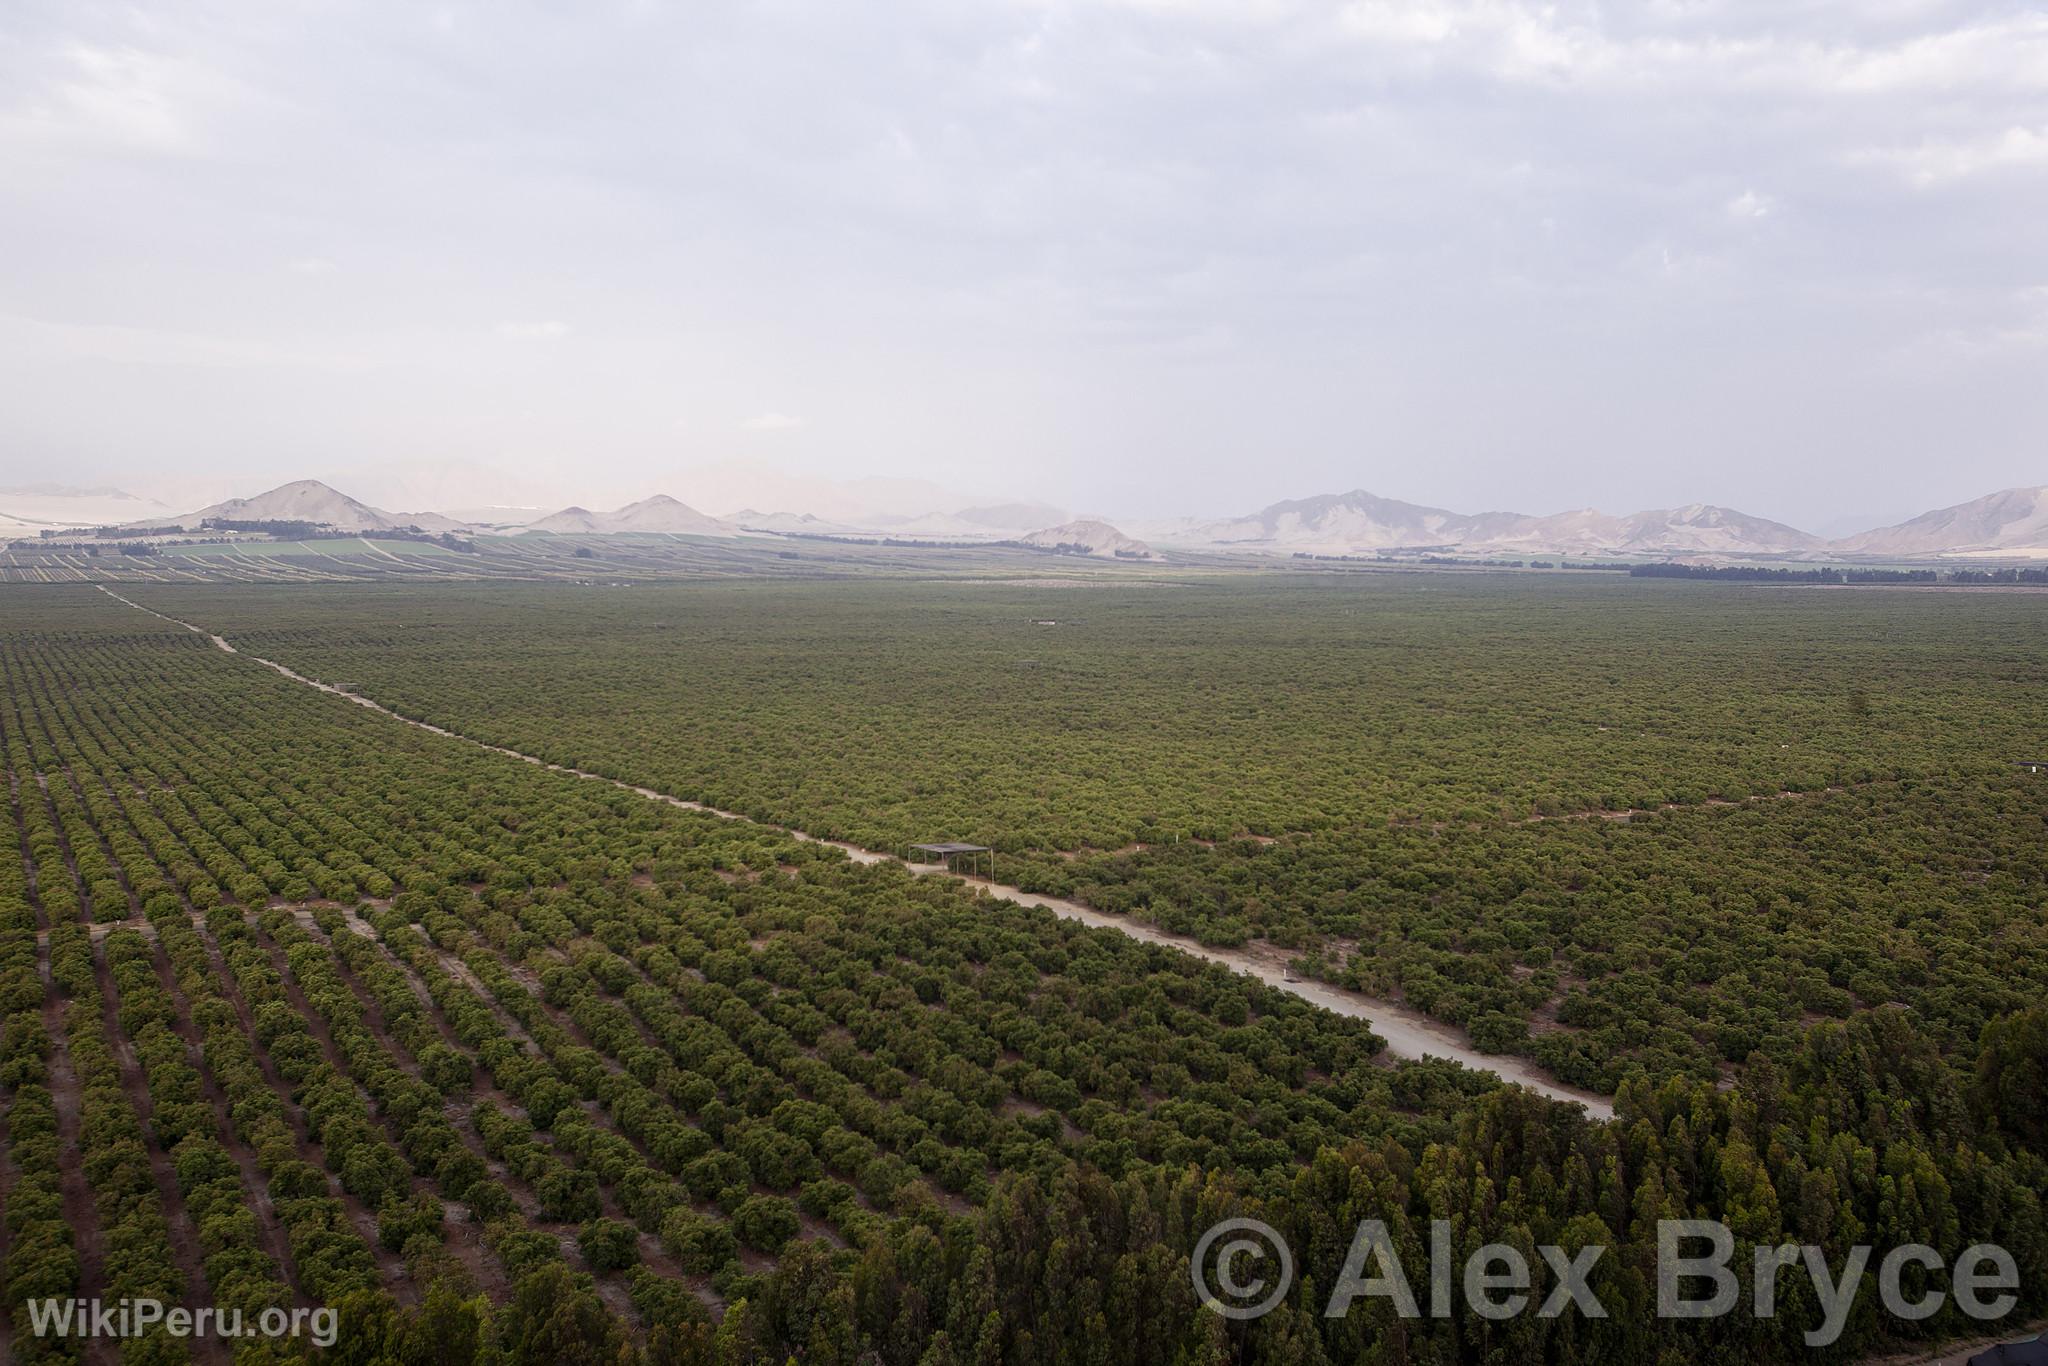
608,560
1601,823
304,1005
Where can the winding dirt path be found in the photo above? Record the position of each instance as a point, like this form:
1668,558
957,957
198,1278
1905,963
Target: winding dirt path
1409,1033
184,1236
416,1182
66,1097
391,1269
256,1189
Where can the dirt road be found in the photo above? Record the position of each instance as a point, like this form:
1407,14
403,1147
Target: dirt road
1409,1034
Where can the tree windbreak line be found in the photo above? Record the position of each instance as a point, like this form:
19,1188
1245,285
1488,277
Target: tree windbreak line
301,1006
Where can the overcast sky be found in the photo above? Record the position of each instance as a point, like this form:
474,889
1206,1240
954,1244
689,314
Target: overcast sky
1142,257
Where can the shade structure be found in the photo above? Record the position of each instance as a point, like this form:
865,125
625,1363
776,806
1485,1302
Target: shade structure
945,851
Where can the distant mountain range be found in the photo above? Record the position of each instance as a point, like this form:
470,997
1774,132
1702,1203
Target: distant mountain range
34,508
2012,523
313,502
791,523
2009,520
1348,523
665,514
49,490
307,500
1097,539
660,513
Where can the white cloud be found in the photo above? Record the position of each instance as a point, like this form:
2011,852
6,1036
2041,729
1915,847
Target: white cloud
76,95
1573,45
1054,209
1934,163
1750,206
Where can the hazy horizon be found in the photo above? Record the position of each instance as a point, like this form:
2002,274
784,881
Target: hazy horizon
835,499
1141,258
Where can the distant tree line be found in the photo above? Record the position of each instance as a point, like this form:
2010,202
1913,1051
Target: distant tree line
2000,575
899,541
287,530
281,529
1731,573
111,533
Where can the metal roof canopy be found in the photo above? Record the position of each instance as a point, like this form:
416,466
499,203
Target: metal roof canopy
946,850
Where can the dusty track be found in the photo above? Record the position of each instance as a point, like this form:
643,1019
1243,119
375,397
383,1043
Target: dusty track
270,1233
464,1236
66,1096
614,1287
391,1268
9,1175
185,1253
481,1268
1409,1033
